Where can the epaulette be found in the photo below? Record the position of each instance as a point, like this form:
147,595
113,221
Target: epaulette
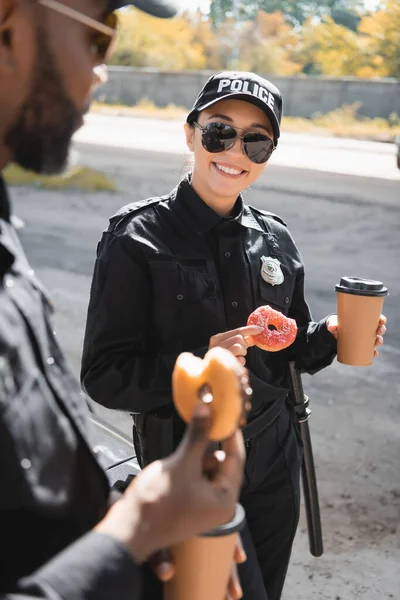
266,213
133,208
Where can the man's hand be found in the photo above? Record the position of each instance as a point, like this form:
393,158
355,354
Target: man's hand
174,499
332,325
236,341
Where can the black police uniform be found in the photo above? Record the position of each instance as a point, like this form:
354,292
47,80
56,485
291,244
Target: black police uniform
170,273
52,489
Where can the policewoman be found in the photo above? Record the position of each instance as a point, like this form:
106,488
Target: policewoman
183,272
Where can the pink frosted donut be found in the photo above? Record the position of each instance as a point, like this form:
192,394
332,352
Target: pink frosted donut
282,333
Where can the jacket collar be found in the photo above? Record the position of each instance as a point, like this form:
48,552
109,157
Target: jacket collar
201,218
248,220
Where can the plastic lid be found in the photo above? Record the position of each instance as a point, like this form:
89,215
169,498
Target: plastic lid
361,287
236,524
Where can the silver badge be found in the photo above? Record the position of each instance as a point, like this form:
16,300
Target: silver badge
271,270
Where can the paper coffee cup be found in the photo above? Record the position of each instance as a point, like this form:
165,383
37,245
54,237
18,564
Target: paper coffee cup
203,563
359,306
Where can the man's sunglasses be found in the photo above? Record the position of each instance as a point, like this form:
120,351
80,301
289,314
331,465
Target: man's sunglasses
105,30
218,137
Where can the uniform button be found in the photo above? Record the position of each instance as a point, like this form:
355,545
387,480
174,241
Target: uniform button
50,360
9,282
31,272
287,300
227,254
234,304
26,463
179,297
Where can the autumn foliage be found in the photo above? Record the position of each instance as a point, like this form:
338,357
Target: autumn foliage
266,43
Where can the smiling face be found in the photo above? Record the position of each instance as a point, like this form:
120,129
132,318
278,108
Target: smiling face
219,178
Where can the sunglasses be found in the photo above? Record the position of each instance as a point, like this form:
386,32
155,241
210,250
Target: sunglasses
105,30
218,137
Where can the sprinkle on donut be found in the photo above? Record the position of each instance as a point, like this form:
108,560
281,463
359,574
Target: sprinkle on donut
279,331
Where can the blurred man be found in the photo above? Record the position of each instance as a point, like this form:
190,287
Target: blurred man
58,537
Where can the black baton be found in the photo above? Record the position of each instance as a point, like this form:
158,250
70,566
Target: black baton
300,404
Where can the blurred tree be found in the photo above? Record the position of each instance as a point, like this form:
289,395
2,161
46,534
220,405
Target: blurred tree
228,39
220,10
296,12
146,41
344,16
265,44
381,33
205,37
327,48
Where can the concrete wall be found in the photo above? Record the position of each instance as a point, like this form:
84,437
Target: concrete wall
303,96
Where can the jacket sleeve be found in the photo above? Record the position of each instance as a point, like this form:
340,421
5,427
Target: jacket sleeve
121,365
96,567
314,347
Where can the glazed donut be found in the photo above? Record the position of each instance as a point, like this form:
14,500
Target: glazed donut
219,379
279,331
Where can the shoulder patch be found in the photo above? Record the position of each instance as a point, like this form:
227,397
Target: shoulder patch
266,213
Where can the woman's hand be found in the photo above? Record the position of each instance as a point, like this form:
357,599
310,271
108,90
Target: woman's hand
332,325
236,341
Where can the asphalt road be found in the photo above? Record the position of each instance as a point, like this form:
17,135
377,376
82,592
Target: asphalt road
343,225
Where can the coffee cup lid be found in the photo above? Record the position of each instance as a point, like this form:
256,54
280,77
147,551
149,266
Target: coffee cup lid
234,525
361,287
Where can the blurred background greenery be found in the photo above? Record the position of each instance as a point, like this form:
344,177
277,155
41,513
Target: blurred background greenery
278,37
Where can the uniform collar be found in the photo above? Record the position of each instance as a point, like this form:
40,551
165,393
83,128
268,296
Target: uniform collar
201,218
248,220
7,254
198,215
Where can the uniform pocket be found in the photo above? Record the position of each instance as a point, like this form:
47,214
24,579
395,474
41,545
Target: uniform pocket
198,285
278,297
184,299
199,314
